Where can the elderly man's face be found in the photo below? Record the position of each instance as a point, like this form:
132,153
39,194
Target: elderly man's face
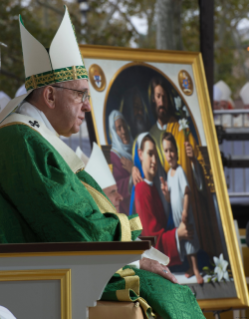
70,110
112,193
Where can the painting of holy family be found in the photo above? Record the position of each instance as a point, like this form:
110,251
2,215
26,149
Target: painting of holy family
152,109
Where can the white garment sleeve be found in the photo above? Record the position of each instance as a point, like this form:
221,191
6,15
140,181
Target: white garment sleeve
135,264
154,254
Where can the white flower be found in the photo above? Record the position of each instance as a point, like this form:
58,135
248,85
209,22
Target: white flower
186,111
183,124
178,102
221,268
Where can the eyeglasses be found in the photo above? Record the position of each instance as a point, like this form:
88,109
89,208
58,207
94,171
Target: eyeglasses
85,96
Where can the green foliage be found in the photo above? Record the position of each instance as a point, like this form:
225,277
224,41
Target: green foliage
12,72
111,24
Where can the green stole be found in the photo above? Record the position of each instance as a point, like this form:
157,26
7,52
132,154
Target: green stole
76,165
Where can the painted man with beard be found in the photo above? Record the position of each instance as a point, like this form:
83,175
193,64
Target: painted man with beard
135,112
190,158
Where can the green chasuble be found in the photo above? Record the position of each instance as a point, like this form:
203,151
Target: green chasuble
42,200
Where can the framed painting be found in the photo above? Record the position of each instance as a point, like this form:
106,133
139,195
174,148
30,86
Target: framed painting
152,110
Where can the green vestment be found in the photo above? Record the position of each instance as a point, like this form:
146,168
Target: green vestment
42,200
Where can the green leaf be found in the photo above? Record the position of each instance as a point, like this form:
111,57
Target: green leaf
205,268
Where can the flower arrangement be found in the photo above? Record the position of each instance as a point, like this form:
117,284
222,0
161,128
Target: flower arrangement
183,113
220,271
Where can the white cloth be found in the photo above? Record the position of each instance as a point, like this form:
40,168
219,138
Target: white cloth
140,139
216,93
22,90
28,109
162,128
148,182
119,148
5,313
225,90
177,185
153,254
81,155
244,93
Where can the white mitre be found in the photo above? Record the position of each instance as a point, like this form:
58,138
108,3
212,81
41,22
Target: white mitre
4,100
244,94
225,89
82,156
22,90
98,168
5,313
62,63
216,93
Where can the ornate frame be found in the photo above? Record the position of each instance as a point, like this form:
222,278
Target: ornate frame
64,275
194,59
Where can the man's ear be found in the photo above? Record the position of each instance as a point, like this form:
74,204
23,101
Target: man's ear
140,154
49,96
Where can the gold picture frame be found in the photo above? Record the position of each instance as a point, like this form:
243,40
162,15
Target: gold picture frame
104,55
63,275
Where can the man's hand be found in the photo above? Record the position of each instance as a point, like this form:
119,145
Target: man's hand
165,189
185,231
136,176
157,268
189,151
127,164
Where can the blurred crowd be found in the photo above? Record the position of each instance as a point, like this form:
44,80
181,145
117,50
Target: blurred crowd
222,101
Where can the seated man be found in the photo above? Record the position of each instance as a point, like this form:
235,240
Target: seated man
45,194
98,168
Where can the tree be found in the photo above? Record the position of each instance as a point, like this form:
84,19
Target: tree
171,24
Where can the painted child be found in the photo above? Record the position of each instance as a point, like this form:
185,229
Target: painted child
177,191
148,202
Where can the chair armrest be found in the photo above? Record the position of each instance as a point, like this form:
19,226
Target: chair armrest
74,247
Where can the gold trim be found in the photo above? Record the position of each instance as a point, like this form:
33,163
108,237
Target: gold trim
123,295
135,223
105,206
55,76
74,72
195,60
64,275
133,282
125,272
34,81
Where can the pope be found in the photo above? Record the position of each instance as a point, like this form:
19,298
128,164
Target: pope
45,193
